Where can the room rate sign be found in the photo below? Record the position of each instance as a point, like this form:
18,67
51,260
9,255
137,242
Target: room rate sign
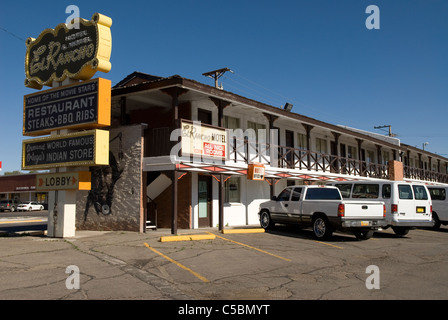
80,106
74,149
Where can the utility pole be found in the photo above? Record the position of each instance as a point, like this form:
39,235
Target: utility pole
216,74
387,126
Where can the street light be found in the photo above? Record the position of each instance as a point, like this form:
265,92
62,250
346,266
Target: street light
425,144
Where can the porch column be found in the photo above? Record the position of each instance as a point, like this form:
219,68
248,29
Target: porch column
175,178
221,104
361,165
272,135
338,151
308,129
221,202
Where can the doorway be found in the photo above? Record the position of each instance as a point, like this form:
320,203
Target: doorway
204,201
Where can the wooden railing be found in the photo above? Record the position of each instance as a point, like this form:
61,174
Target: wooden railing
249,151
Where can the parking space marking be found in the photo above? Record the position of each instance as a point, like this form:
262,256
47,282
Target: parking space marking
250,247
197,275
328,244
22,221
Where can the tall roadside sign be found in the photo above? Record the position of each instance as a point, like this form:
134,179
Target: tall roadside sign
65,59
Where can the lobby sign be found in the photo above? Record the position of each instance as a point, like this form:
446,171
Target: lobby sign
85,105
80,180
256,171
204,141
86,148
62,53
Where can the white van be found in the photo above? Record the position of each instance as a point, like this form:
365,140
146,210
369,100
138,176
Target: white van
408,205
439,205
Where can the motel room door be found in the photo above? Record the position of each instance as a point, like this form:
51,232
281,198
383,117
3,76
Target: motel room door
205,201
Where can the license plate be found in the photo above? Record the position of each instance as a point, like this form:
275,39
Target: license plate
365,223
420,209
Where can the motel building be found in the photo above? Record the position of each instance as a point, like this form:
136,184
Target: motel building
186,155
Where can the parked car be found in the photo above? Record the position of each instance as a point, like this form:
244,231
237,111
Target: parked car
10,205
439,205
408,205
30,206
323,209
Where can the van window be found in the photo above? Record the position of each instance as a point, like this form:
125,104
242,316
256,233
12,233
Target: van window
420,193
386,191
437,193
405,191
322,194
370,191
345,189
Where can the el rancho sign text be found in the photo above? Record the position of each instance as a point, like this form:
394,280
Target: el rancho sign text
62,53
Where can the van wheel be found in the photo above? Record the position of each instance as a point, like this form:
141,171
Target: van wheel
436,220
400,231
364,234
321,227
266,221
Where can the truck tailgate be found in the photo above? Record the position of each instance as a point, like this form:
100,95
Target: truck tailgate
363,209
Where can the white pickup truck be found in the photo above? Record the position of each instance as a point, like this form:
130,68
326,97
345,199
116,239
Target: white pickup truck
323,209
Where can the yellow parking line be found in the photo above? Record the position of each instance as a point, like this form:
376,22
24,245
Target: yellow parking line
248,246
21,221
328,244
177,263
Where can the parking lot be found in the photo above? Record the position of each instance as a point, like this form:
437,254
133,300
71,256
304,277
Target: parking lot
288,264
285,263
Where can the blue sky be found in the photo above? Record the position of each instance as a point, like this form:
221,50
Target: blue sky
316,54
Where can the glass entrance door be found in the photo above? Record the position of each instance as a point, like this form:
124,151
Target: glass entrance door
204,201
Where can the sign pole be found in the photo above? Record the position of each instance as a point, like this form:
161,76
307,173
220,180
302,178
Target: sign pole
61,203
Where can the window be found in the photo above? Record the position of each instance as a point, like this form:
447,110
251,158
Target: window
296,194
321,145
405,192
322,194
386,157
370,191
259,136
345,189
301,141
420,193
231,122
232,190
437,193
284,195
352,152
370,156
386,191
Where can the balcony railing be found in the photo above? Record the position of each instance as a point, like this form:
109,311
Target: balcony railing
248,151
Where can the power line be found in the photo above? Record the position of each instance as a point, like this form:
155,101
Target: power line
13,34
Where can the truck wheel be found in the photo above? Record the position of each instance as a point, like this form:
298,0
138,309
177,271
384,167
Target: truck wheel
321,227
400,231
363,234
266,221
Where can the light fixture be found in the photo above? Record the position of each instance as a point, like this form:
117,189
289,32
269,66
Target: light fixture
288,106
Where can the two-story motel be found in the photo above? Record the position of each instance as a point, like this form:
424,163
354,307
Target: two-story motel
174,164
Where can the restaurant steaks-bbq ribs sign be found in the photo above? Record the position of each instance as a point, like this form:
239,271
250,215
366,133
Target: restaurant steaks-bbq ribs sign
74,53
